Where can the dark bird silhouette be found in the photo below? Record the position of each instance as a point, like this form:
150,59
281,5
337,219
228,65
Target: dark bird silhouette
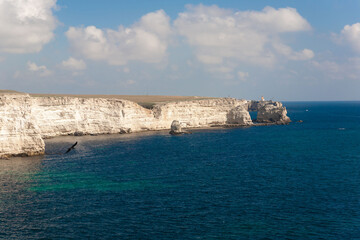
71,148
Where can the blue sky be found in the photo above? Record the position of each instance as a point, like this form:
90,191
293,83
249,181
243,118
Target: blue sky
283,50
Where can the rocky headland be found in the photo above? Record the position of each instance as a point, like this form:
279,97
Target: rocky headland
25,121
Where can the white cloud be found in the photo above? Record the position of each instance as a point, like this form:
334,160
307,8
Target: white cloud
351,35
41,70
275,20
74,64
350,69
26,25
243,75
285,50
147,41
251,36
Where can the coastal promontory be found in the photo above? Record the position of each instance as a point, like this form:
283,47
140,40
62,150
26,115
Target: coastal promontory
26,120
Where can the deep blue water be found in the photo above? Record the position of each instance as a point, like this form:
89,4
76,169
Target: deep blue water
299,181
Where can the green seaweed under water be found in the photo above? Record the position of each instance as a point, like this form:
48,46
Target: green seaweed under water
62,181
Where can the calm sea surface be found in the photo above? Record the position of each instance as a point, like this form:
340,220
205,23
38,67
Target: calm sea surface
300,181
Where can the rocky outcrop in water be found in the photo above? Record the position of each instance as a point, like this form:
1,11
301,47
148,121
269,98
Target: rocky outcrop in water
273,112
176,128
26,121
269,112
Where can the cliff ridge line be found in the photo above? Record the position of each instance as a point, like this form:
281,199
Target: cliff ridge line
27,120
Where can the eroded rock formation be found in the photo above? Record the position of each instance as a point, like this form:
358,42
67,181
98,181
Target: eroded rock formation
176,128
273,112
239,115
19,132
26,121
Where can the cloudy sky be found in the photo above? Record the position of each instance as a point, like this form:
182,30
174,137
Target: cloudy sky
283,50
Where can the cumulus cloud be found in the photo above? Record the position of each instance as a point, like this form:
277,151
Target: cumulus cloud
74,64
275,20
343,68
147,41
41,70
26,25
351,35
252,36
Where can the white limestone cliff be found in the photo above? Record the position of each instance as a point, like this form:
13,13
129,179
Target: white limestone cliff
19,134
197,113
274,112
239,115
26,121
58,116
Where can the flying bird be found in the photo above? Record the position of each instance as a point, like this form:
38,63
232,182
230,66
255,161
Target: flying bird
71,148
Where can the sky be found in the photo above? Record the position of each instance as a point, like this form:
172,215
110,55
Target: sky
282,50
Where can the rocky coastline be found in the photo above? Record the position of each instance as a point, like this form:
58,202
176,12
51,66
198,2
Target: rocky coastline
25,121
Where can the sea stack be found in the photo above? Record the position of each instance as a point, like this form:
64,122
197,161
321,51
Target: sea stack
176,128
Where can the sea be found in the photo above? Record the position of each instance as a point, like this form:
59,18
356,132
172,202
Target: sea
296,181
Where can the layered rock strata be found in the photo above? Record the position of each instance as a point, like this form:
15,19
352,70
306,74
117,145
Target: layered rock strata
19,133
26,121
239,115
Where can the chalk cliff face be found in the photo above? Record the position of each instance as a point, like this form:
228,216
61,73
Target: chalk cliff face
26,121
58,116
19,134
239,115
197,113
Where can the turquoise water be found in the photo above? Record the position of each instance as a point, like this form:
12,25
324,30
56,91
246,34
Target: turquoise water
300,181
